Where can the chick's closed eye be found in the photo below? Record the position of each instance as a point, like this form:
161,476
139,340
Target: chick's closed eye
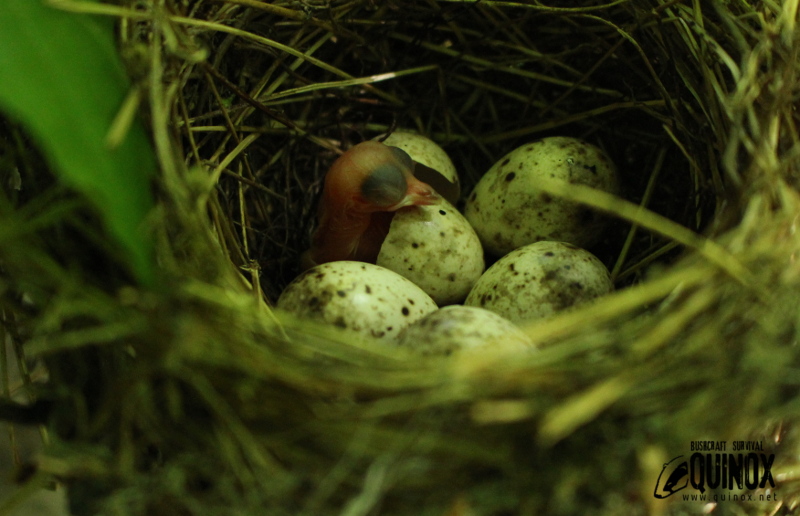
385,185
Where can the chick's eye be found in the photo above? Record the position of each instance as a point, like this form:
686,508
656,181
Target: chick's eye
386,185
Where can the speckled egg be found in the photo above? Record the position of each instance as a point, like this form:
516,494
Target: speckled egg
455,328
540,279
507,211
432,164
434,247
359,296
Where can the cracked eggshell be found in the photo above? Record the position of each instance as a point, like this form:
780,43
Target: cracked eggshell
433,165
362,297
434,247
540,279
460,328
507,211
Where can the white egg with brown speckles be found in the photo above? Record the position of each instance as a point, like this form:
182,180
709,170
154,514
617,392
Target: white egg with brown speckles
435,247
362,297
507,211
457,328
540,279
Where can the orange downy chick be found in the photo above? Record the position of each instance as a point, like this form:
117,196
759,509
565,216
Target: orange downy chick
362,187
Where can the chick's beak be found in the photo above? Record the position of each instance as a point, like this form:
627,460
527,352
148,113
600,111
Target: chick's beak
417,194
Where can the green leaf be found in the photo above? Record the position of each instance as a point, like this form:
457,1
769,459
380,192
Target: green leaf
62,79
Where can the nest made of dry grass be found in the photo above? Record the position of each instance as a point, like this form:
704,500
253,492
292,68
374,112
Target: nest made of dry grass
196,398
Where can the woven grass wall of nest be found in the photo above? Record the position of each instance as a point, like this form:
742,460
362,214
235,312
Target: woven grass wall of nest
230,407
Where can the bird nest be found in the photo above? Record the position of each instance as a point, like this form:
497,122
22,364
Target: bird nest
195,396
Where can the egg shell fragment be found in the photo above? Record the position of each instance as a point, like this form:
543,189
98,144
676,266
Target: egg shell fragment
437,168
507,211
460,328
362,297
434,247
540,279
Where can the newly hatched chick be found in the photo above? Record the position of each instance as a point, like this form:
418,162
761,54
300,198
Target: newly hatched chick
363,186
